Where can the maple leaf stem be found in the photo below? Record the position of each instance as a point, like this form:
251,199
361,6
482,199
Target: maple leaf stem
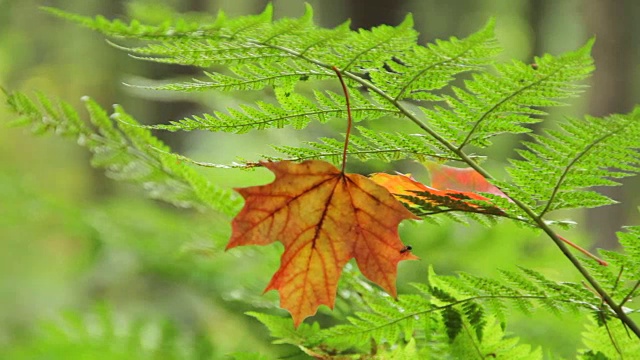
349,119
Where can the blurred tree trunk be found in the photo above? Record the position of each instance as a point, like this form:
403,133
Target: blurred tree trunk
369,13
611,92
537,12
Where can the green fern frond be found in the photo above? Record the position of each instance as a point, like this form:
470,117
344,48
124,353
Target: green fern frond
260,53
622,277
125,150
405,352
204,54
254,36
415,73
134,29
370,49
524,289
560,164
496,104
227,47
366,49
295,110
221,26
460,319
496,344
251,77
630,241
283,329
104,334
460,303
369,145
385,321
609,339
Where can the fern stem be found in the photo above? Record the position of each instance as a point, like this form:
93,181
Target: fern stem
349,119
630,294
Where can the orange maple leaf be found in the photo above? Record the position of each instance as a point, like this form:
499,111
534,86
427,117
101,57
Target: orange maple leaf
445,177
450,188
324,217
403,185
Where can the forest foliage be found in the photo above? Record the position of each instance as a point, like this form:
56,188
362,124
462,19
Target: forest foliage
458,97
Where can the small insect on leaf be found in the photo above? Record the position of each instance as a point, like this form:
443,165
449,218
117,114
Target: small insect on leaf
405,249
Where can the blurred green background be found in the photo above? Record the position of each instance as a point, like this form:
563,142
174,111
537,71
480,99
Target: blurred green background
82,255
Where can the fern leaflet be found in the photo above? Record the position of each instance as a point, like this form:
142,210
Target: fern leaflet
559,165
